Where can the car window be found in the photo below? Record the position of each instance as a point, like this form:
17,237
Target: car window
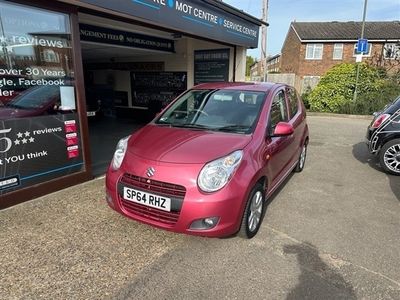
293,102
278,110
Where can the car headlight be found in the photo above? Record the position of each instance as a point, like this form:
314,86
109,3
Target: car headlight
216,174
119,153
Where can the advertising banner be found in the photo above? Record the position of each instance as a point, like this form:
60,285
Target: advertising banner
38,149
194,17
211,66
103,35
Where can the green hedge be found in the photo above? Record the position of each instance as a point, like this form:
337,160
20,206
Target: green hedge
335,91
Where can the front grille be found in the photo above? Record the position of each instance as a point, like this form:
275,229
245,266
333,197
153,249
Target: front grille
173,191
159,187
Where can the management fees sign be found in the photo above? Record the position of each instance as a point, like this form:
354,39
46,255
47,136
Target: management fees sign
193,17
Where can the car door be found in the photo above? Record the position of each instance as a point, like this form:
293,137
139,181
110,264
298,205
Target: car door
277,148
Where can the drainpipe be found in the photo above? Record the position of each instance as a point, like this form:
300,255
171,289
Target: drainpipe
234,63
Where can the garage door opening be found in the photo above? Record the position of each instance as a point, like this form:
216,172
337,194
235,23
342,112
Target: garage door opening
116,105
132,72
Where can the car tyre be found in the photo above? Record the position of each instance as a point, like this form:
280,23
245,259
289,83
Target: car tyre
253,213
389,157
302,159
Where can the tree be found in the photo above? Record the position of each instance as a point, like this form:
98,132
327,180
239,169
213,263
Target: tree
249,62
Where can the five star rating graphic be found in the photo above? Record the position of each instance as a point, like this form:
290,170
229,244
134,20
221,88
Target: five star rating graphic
24,138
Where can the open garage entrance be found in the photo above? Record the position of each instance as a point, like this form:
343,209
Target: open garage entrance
108,92
132,72
125,85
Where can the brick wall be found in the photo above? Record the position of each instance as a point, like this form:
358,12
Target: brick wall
290,58
293,59
320,67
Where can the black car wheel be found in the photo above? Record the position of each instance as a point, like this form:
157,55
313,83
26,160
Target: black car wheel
253,213
389,157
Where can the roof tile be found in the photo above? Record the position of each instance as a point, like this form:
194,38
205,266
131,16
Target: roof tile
347,30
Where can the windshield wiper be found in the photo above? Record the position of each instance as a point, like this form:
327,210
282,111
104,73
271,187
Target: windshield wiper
194,126
164,124
235,128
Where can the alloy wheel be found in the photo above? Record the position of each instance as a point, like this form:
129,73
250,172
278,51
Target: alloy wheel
303,157
256,207
392,158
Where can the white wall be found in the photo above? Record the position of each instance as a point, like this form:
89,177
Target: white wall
240,64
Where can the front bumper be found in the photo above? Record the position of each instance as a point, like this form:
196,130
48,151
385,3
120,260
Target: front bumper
227,204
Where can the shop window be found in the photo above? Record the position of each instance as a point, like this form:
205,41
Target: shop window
39,129
337,51
314,51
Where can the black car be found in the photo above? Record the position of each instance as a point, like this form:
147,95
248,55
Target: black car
383,137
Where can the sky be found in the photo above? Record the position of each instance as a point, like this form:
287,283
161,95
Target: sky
282,12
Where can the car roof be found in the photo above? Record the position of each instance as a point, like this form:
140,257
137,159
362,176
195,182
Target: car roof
246,86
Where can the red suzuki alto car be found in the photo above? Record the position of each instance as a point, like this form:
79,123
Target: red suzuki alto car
206,165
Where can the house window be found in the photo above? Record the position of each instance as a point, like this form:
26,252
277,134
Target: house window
314,51
338,51
365,54
391,51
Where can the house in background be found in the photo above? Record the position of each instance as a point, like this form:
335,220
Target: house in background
256,71
312,48
274,64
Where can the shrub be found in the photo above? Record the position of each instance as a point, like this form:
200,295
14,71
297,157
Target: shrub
334,93
368,103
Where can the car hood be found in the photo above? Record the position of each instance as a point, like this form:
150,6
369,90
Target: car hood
184,146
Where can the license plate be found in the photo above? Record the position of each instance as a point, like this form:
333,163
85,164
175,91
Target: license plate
91,113
151,200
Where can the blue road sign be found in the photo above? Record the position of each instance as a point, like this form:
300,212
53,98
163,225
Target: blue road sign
362,46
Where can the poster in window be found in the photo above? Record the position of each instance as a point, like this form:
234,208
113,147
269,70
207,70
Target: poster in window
39,130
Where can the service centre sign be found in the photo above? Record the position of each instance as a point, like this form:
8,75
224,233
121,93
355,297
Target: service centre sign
194,17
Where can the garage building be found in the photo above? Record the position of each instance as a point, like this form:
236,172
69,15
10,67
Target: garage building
75,76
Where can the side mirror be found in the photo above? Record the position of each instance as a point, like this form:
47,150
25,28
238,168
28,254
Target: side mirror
283,129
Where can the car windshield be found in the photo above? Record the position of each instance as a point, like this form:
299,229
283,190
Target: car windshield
219,110
36,97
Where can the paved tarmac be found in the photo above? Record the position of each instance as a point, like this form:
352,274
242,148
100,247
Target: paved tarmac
331,232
